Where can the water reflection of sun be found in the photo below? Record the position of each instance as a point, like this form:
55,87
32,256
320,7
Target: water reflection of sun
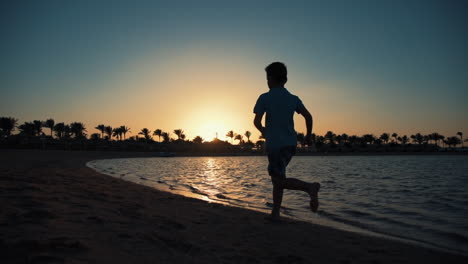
211,173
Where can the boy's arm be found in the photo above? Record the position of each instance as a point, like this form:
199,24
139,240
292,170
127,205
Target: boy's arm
308,119
258,122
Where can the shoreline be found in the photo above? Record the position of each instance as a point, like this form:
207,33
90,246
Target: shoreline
130,154
323,220
57,209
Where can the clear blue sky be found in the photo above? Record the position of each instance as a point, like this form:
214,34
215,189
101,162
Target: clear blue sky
359,66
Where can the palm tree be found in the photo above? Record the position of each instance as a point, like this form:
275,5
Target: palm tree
344,137
330,137
247,134
404,140
7,124
230,134
238,137
441,138
434,137
146,134
77,129
338,139
418,138
452,141
124,130
166,137
59,129
353,139
395,137
117,132
300,138
37,127
461,138
108,130
385,137
102,129
198,140
368,139
49,123
27,128
158,132
95,136
67,131
179,133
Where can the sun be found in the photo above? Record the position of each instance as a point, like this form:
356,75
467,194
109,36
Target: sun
209,130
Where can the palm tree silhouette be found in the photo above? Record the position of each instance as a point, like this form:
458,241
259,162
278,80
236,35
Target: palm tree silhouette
395,137
117,132
197,140
452,141
434,137
230,134
238,137
102,129
27,128
78,129
461,138
7,125
385,137
368,139
166,137
441,138
179,133
59,129
146,134
67,131
330,136
247,134
158,132
108,130
404,140
418,138
37,127
49,123
344,137
124,130
300,138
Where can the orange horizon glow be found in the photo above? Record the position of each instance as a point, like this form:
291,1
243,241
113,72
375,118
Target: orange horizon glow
209,99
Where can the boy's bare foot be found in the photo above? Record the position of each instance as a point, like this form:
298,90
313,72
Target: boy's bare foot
313,193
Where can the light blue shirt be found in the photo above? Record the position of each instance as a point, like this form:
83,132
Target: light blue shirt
279,105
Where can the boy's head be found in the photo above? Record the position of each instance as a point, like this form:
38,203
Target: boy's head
277,74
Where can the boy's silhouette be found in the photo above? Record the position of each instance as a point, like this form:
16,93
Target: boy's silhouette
281,139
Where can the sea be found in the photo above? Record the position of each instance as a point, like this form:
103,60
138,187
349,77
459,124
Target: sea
419,199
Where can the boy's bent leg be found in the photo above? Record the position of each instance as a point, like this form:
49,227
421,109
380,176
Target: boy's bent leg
296,184
310,188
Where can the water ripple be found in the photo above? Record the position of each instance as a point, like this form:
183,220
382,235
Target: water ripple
423,198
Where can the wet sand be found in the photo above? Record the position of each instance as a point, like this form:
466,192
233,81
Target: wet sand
56,210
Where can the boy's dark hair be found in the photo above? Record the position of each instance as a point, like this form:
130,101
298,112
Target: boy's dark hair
277,71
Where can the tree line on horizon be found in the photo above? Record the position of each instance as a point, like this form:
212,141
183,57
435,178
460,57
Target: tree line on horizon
77,131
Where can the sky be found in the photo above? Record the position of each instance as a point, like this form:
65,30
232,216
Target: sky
358,66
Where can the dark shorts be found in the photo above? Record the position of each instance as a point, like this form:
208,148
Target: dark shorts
278,160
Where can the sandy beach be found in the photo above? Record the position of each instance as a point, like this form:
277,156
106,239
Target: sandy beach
56,210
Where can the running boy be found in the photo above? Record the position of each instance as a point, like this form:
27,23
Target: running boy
281,139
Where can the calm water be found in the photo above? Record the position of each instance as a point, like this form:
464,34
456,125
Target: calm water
420,198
